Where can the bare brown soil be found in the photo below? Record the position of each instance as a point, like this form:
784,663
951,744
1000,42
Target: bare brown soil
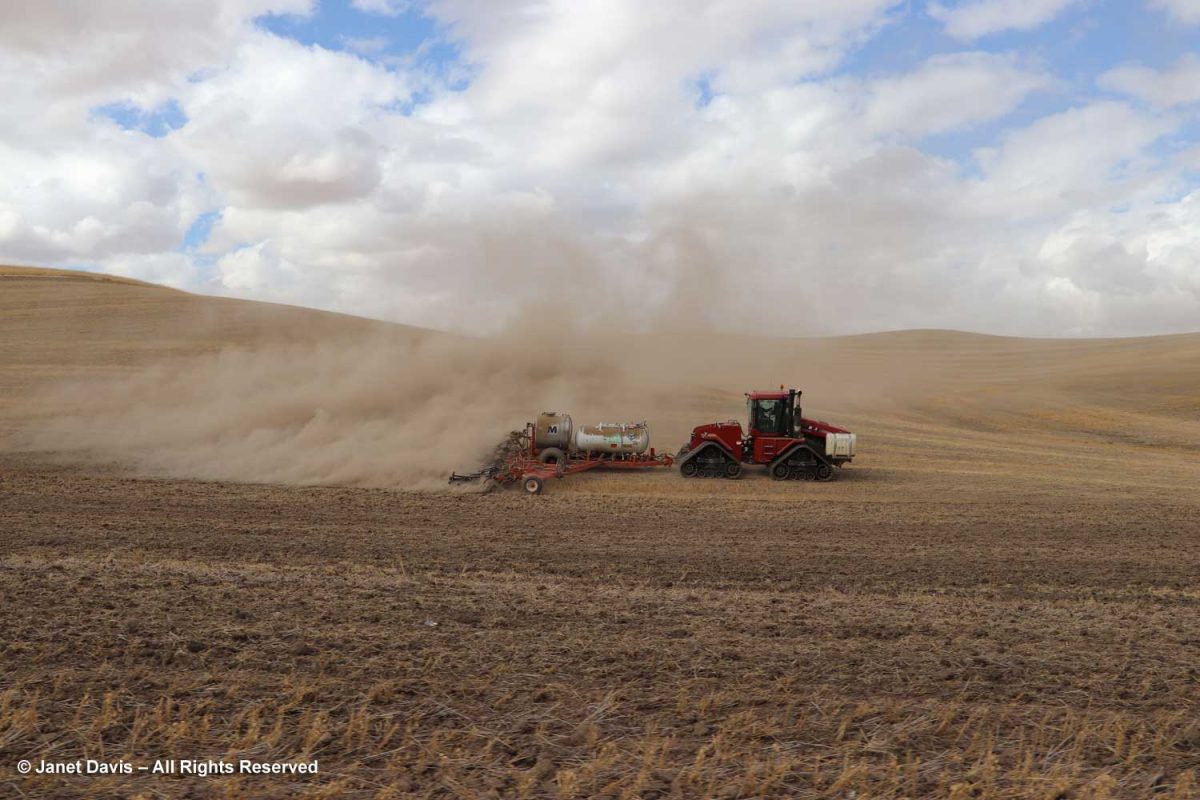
999,600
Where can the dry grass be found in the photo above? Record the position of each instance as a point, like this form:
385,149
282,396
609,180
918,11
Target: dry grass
726,650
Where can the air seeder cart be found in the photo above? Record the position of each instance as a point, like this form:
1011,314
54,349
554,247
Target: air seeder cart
552,447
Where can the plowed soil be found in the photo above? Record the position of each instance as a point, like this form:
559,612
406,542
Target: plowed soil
1000,599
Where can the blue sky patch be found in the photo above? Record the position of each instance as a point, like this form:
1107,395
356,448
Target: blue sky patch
703,89
156,122
336,25
200,230
410,39
1074,49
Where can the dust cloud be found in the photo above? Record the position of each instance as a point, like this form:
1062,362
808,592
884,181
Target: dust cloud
373,412
406,410
185,386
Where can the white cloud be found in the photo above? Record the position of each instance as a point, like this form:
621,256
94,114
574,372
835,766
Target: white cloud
307,139
580,162
1175,86
386,7
1129,268
76,186
1187,11
950,92
255,269
602,82
366,45
84,51
972,20
93,192
1078,151
1086,157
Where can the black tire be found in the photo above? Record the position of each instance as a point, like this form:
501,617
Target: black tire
732,469
532,485
552,455
688,469
781,471
823,472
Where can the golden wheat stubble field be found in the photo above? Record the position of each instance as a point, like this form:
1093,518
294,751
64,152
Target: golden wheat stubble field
999,600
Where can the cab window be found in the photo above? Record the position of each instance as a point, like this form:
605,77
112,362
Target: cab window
768,416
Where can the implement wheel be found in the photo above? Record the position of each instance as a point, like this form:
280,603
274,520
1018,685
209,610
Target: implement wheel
532,485
552,455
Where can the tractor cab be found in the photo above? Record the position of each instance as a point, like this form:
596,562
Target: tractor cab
773,413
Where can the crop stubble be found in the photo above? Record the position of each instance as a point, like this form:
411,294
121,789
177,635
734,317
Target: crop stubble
586,643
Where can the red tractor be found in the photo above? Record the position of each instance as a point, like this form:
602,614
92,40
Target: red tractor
779,437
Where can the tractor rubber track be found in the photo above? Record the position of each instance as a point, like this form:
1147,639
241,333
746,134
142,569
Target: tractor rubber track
806,473
803,471
711,464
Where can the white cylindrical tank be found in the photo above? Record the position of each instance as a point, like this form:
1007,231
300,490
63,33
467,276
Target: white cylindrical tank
632,438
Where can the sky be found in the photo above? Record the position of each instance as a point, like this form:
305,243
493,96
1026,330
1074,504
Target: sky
786,167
